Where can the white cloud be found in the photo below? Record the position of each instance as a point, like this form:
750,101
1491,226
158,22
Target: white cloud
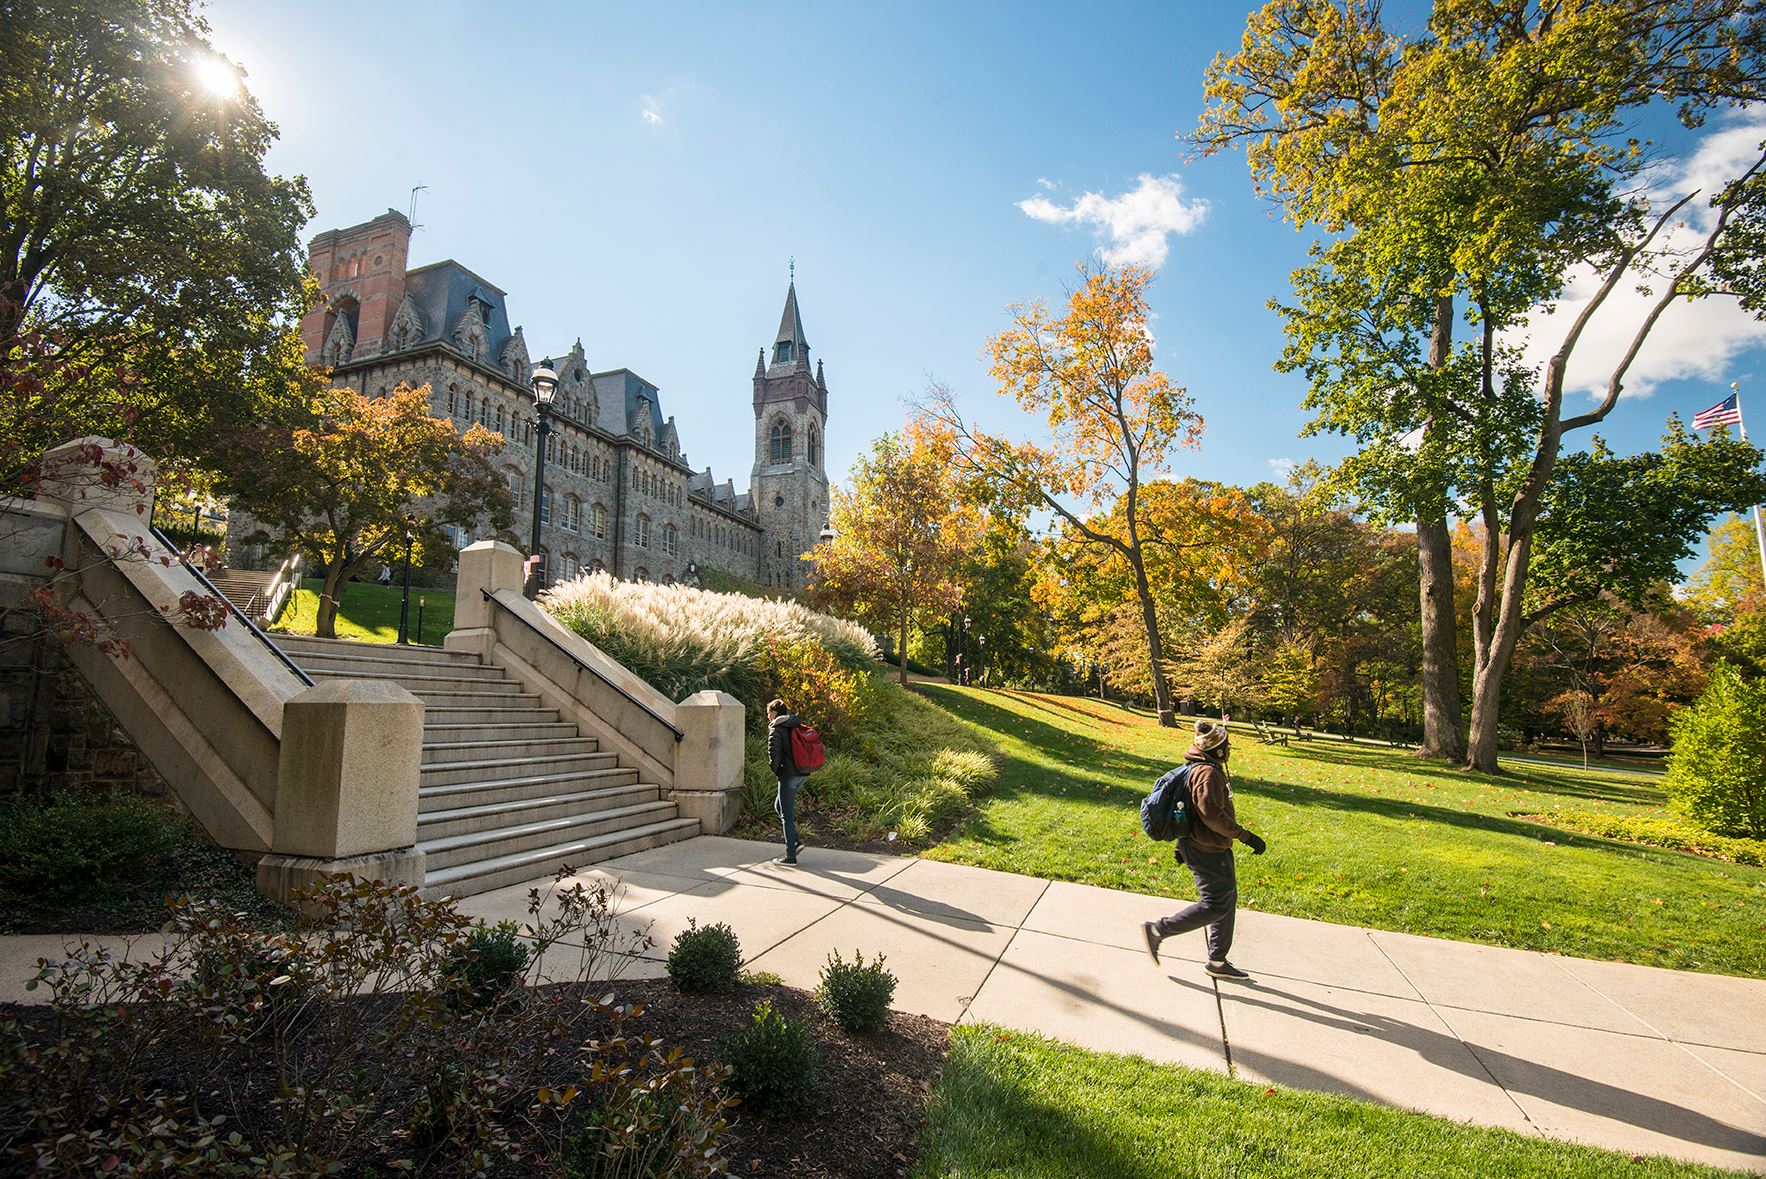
651,115
650,106
1045,182
1696,339
1134,227
1281,468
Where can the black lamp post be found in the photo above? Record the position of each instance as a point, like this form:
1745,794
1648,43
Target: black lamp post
419,620
692,573
545,384
405,594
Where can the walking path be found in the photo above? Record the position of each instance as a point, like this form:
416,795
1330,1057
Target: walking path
1626,1057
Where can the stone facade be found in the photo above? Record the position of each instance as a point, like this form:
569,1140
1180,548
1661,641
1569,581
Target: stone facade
620,494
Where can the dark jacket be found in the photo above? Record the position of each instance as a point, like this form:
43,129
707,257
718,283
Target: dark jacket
1217,826
778,745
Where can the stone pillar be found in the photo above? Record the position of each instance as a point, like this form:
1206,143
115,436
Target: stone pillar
99,473
485,566
346,792
709,760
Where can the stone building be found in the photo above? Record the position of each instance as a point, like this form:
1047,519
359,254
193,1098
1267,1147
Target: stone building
620,494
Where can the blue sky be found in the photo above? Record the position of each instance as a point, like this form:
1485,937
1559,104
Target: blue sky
639,174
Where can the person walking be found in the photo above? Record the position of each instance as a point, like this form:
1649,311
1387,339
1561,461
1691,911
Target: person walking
780,722
1208,852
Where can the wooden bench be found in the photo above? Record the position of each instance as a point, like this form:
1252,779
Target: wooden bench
1268,735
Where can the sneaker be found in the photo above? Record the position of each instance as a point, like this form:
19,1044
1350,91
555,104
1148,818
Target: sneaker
786,860
1225,970
1151,933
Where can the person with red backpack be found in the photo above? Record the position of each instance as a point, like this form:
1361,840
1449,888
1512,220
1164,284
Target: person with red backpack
794,749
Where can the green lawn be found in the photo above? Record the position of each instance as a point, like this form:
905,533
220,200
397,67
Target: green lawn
1360,835
370,613
1020,1105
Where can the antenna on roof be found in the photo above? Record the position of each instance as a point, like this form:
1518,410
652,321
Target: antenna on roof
412,215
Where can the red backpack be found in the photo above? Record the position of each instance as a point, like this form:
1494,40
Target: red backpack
807,752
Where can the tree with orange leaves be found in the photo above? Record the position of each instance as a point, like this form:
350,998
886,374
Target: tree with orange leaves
1114,421
899,535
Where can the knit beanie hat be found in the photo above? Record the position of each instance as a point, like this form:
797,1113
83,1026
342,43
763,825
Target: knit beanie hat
1210,735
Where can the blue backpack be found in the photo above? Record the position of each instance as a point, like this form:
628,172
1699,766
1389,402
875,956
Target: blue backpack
1168,813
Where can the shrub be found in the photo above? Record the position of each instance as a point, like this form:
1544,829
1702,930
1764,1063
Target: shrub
73,846
165,1064
1717,770
705,958
652,1113
489,964
772,1063
854,994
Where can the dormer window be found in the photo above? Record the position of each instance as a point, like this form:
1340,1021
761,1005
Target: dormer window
783,352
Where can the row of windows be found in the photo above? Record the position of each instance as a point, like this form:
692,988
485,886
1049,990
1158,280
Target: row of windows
567,567
656,487
735,539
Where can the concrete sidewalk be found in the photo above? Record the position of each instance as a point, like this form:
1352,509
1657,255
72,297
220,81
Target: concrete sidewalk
1625,1057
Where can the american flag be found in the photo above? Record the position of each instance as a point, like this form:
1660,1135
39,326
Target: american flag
1725,413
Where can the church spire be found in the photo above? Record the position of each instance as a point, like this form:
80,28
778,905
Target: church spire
790,348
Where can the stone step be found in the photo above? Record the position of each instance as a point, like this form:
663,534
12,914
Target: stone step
441,691
467,820
449,773
297,645
437,735
514,838
566,742
501,790
487,721
541,862
368,667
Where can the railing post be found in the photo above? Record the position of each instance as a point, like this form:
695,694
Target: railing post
486,566
709,760
346,799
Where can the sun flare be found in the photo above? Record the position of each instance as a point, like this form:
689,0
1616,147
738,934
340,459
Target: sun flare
216,76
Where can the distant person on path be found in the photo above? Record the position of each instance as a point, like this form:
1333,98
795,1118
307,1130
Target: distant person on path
385,575
1208,851
780,722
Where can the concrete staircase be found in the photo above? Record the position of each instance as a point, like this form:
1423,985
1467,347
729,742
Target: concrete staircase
509,791
247,589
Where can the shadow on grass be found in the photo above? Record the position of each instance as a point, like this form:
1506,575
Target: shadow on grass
1540,779
1075,750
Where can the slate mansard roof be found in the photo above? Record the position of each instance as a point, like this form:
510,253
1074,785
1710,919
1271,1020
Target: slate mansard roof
441,290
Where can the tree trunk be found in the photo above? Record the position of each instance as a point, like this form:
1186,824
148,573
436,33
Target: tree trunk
1434,544
1441,702
1155,650
1487,678
902,653
337,576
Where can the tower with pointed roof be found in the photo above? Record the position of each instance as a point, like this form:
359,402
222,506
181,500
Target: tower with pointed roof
789,484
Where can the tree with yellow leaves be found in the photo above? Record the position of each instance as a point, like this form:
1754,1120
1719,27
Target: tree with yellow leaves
898,536
1113,418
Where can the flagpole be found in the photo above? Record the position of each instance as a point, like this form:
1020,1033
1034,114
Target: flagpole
1759,525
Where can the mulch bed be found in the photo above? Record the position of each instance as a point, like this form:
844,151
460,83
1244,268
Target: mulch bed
868,1102
870,1093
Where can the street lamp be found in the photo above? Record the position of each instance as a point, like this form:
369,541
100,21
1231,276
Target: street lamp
981,660
826,535
405,594
692,573
545,385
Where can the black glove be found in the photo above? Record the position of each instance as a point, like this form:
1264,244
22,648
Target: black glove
1255,843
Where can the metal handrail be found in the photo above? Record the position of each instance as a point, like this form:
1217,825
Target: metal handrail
235,611
594,671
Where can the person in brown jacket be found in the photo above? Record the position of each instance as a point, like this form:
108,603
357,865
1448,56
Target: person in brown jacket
1208,852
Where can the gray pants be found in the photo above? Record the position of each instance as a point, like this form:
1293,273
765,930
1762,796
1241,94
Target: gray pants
1217,883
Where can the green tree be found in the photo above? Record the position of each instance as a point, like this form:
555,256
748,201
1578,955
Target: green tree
899,536
352,481
1717,772
1114,420
150,269
1466,169
1731,573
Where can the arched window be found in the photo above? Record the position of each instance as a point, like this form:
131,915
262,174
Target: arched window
596,566
643,537
499,419
546,506
642,574
815,443
567,567
598,521
468,404
779,443
573,513
453,401
545,558
670,538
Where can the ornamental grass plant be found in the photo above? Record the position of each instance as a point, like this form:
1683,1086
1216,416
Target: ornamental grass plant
898,767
